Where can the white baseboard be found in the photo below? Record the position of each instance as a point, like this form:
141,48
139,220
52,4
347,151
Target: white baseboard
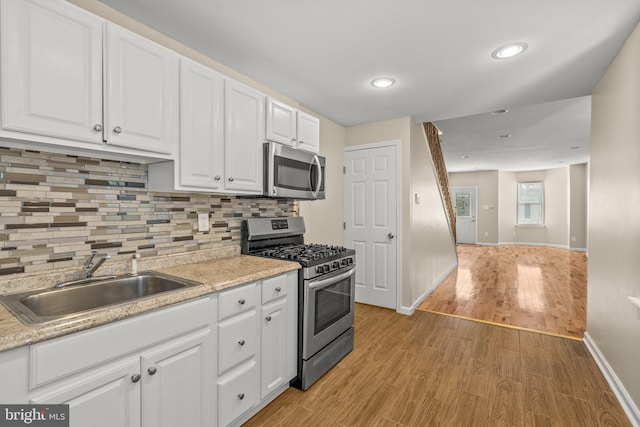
578,249
486,244
549,245
625,400
409,310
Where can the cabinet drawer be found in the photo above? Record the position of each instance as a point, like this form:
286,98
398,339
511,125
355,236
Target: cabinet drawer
237,300
238,394
237,340
274,288
53,359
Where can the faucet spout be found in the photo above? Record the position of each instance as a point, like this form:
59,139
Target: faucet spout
90,268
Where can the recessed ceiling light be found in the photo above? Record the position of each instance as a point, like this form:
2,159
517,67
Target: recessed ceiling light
509,50
466,156
382,82
498,112
575,148
506,136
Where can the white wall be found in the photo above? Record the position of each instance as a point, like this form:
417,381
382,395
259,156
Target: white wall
578,207
613,323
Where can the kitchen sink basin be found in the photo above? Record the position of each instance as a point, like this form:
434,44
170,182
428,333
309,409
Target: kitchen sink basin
43,305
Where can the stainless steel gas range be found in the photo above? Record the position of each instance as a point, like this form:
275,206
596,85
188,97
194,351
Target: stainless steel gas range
326,291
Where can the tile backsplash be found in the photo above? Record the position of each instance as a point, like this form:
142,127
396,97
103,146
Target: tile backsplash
55,209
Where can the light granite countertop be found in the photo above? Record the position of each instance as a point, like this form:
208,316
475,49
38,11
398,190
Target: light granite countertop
215,275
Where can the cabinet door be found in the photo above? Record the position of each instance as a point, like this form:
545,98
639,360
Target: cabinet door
308,132
104,397
51,70
281,123
244,138
178,382
201,129
142,93
274,346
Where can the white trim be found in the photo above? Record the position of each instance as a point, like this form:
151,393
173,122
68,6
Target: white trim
578,249
397,145
550,245
487,244
625,400
409,310
635,301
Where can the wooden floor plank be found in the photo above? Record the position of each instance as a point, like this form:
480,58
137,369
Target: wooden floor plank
531,287
430,369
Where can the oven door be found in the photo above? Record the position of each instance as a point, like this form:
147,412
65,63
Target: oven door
292,173
328,309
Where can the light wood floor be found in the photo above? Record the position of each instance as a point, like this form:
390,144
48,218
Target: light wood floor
539,288
434,370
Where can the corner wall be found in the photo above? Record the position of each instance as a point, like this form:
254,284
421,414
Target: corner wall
613,323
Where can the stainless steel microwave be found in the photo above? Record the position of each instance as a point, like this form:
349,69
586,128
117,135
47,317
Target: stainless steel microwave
292,174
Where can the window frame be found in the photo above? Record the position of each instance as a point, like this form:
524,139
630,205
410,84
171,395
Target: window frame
519,203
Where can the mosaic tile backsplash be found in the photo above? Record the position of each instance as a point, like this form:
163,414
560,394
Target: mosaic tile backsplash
56,209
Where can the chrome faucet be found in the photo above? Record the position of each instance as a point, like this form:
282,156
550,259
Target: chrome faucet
90,267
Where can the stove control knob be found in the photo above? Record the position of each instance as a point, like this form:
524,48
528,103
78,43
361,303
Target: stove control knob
350,261
335,264
320,269
345,261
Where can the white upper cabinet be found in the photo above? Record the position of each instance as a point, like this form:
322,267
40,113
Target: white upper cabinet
308,132
142,92
51,68
281,123
292,127
201,158
244,138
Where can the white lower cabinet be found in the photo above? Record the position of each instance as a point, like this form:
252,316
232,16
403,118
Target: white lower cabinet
207,362
104,397
154,370
257,345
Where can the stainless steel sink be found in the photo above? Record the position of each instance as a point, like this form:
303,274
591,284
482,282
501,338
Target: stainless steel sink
43,305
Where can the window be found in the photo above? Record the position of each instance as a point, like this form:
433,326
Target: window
530,203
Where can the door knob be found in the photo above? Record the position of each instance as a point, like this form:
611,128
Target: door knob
390,236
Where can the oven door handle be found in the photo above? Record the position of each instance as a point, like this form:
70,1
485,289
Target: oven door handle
331,280
316,190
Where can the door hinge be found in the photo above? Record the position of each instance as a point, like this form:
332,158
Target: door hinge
344,170
344,225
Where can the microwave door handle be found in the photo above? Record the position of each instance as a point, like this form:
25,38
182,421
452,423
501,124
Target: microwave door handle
316,160
331,280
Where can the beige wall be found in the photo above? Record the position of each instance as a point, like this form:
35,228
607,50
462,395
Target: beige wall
427,249
556,216
487,183
578,207
613,323
323,219
432,251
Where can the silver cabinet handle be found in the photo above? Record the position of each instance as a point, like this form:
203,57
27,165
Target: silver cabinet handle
390,235
241,301
97,127
241,342
152,370
117,129
230,179
135,378
240,396
293,140
278,289
217,178
268,318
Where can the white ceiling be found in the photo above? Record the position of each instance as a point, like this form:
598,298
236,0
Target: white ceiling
324,54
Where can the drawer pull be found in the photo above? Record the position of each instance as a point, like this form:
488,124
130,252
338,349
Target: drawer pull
241,342
278,289
268,318
241,301
240,396
152,370
135,378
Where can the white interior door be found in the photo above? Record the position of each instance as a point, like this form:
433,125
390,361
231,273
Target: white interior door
464,199
371,222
